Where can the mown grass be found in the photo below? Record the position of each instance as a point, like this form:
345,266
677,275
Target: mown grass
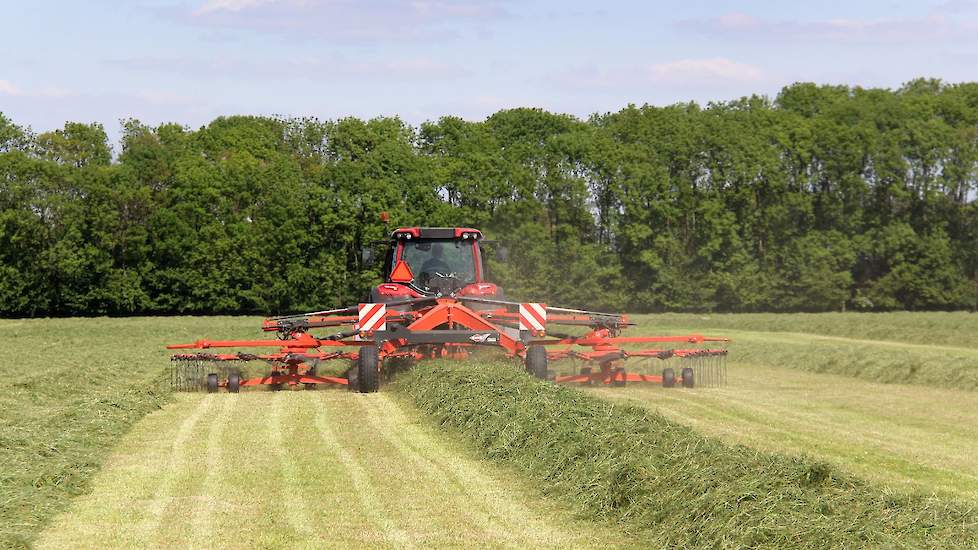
955,329
306,469
660,478
69,389
812,342
908,437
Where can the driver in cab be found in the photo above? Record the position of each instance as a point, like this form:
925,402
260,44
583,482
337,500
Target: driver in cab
436,264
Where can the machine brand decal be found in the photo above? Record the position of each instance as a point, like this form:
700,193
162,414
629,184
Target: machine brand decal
487,338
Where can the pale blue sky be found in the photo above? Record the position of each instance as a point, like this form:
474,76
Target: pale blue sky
189,61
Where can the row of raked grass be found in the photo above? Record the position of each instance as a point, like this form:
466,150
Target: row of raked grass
663,481
897,360
937,328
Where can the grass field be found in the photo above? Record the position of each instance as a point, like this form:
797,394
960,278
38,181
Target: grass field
674,486
792,389
74,393
69,388
305,469
953,329
839,344
908,437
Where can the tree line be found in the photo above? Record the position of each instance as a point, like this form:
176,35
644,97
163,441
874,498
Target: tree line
822,198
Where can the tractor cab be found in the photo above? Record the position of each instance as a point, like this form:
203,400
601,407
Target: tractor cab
433,261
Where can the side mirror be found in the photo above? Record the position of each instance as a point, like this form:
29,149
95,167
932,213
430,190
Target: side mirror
367,256
502,253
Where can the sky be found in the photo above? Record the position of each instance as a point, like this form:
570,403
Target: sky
190,61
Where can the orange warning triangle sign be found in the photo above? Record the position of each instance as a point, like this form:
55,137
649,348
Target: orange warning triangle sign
402,273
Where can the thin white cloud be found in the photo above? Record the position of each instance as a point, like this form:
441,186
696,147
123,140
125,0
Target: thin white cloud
7,88
711,73
718,69
937,26
229,5
333,20
404,69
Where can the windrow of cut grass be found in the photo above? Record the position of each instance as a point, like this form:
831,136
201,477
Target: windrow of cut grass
667,483
888,361
938,328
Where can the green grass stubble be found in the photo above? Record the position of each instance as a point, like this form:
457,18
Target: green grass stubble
69,389
306,469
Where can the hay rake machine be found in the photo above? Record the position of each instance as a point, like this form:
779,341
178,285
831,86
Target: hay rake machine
435,303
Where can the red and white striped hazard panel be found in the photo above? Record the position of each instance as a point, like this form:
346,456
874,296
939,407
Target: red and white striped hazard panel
533,317
372,317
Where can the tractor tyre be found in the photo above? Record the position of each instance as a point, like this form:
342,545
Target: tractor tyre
536,361
615,373
688,380
212,383
368,369
668,378
234,382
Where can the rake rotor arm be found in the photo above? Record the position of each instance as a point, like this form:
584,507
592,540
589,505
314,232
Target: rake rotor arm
569,317
352,309
268,357
333,317
307,342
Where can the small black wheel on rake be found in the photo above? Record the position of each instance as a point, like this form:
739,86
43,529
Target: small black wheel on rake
311,372
668,378
352,379
586,371
212,382
618,377
688,380
234,382
368,369
536,361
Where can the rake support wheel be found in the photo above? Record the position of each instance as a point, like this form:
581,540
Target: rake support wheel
234,382
618,377
368,369
536,361
688,379
212,382
352,379
586,371
668,378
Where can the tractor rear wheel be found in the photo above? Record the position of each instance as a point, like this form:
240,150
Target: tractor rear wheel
536,361
212,383
368,369
668,378
234,382
688,377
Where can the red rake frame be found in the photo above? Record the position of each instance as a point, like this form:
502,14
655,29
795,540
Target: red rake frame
432,327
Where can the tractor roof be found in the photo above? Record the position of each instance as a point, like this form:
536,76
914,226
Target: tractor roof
436,233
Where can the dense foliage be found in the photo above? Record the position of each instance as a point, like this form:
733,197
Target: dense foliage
824,198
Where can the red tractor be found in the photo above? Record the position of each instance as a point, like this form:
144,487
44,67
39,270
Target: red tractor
435,302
